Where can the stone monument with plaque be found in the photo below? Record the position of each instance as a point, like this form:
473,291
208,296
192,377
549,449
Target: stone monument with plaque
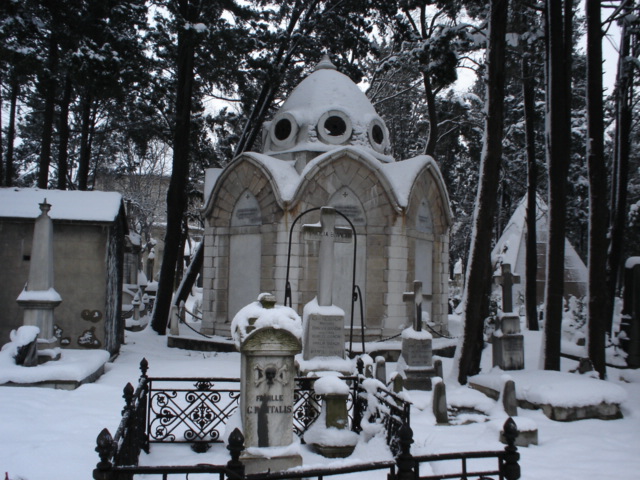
508,342
323,322
416,361
266,399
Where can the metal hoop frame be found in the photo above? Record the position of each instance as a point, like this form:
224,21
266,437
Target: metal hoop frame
356,293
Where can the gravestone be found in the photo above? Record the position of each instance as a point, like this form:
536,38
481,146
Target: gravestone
39,297
330,434
416,361
507,341
266,398
630,323
439,405
323,321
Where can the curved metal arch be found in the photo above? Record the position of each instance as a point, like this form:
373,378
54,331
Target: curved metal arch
355,289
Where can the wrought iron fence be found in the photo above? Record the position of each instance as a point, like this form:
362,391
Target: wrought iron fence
193,410
166,410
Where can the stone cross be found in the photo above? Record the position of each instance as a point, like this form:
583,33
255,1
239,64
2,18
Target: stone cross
507,280
328,234
416,297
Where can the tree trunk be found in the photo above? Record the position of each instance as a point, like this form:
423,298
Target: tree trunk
558,135
63,130
49,87
82,177
531,260
11,131
476,298
176,195
598,210
624,102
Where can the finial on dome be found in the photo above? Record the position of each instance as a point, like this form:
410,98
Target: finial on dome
325,64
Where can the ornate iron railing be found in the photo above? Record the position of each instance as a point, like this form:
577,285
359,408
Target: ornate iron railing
193,410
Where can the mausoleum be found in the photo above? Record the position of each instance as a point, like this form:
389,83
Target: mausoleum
327,146
88,238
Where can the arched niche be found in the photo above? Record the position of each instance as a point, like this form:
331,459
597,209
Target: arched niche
424,254
245,253
345,201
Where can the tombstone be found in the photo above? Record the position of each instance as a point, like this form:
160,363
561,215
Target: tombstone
630,323
330,434
439,404
416,359
39,297
266,398
507,341
509,400
381,370
323,321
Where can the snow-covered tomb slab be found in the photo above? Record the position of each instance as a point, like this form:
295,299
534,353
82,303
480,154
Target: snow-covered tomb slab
75,368
561,396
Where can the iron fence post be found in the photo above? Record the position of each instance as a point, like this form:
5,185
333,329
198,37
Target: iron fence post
404,460
510,468
103,470
235,447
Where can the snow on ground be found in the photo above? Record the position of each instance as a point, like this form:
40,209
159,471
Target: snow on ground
47,433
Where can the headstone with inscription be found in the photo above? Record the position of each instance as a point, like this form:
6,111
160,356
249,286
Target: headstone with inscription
508,342
323,321
416,361
266,398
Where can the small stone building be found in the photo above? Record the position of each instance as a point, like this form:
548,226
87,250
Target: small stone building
88,236
327,146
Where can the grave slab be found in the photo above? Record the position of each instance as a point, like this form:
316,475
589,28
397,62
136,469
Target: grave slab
561,396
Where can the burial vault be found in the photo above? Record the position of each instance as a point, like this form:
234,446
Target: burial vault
327,146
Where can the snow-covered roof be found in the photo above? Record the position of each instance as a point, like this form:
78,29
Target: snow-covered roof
94,206
510,247
398,177
325,111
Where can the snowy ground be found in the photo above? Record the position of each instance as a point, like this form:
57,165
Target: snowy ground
47,434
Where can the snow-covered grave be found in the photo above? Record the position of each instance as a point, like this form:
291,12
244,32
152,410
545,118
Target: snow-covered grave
68,422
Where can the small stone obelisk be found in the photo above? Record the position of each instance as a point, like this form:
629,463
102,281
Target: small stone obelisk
39,297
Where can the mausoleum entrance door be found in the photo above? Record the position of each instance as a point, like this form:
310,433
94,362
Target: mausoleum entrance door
245,253
346,202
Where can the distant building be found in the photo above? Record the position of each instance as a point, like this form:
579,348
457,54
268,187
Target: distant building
511,249
89,233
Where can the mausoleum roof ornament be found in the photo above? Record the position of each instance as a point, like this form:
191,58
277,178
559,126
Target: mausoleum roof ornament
326,111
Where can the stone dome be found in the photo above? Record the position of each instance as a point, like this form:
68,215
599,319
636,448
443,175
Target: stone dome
324,112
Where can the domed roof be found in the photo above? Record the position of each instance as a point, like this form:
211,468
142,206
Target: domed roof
324,112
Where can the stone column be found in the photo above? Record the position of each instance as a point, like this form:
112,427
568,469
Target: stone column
39,297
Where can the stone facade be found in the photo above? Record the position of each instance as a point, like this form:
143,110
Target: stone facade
399,210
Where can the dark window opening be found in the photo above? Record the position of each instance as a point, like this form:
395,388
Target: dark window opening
283,129
335,126
377,134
